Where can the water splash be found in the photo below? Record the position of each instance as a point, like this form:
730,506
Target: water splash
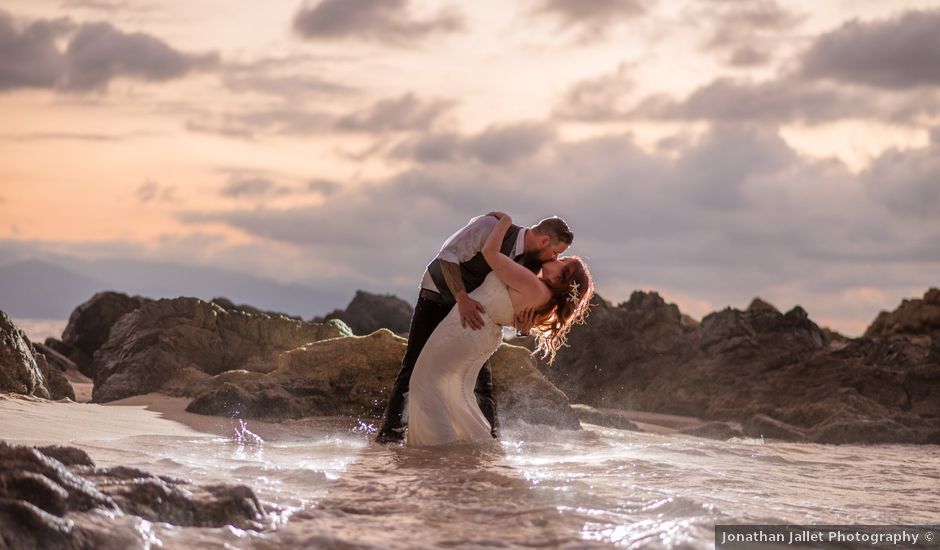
246,437
363,427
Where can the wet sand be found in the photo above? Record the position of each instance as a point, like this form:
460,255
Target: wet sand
25,418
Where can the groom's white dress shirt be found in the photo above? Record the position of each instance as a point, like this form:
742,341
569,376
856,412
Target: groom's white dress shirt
467,242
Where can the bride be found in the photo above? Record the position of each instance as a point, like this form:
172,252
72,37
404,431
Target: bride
441,405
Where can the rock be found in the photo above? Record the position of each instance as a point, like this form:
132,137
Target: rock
846,428
257,396
19,372
69,456
607,417
55,358
150,345
42,501
755,367
620,347
522,393
54,378
714,430
761,425
174,501
369,312
229,305
913,317
759,305
90,325
351,376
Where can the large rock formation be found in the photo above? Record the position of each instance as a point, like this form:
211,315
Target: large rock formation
19,372
352,376
777,373
46,493
369,312
26,371
147,347
90,325
229,305
915,317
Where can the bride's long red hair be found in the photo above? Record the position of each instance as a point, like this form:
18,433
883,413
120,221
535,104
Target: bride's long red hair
568,306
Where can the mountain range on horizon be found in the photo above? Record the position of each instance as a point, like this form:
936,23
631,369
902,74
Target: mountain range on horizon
47,289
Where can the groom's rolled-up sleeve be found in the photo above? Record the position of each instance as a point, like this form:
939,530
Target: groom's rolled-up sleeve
468,241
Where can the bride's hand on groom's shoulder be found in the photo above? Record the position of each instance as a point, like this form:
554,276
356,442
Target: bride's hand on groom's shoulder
498,215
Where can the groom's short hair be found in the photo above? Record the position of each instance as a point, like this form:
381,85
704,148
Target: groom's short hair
556,228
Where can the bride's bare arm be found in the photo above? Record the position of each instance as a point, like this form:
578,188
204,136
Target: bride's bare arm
509,272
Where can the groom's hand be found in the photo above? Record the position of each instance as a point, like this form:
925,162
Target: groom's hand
470,312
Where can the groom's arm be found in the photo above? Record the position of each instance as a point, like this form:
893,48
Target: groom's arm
470,310
460,247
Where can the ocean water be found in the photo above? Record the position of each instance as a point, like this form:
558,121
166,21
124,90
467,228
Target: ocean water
539,487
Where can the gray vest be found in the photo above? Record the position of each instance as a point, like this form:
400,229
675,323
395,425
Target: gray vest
474,270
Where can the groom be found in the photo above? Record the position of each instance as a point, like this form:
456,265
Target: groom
458,269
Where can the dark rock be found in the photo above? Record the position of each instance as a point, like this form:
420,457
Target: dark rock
262,398
54,357
42,501
714,430
368,312
607,417
915,317
69,456
90,325
760,305
761,425
620,347
80,493
522,393
754,366
230,306
56,383
150,345
25,526
19,372
352,376
157,499
855,429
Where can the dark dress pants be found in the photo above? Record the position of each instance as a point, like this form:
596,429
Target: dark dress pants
427,315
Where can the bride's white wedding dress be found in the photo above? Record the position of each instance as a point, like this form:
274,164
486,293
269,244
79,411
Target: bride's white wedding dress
441,405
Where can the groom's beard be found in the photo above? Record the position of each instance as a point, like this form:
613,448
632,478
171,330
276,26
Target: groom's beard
532,262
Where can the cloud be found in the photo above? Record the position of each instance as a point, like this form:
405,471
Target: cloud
283,78
30,57
591,17
907,181
63,136
499,144
895,53
785,99
385,21
599,98
95,54
322,186
734,214
728,99
151,191
250,187
747,32
246,124
405,113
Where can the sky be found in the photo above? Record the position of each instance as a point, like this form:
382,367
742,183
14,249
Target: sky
710,151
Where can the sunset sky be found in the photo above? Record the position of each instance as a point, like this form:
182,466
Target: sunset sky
712,151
